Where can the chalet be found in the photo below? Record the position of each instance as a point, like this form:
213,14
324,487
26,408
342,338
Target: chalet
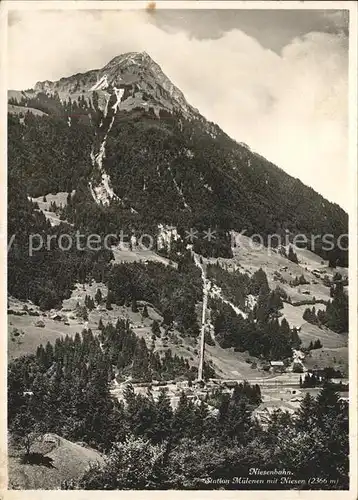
277,366
230,384
344,398
339,380
56,317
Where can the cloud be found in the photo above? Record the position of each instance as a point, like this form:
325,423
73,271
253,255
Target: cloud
290,107
336,21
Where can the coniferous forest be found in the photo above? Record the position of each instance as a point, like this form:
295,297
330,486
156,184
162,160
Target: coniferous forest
206,444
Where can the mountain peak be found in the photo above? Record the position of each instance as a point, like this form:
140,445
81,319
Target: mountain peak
139,58
145,76
144,82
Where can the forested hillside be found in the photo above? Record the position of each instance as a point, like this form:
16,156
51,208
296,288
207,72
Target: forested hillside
205,444
166,163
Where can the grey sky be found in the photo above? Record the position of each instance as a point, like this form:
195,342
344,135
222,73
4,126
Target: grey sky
272,28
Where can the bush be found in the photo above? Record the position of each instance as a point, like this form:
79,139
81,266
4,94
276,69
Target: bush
145,312
208,339
156,328
132,465
297,368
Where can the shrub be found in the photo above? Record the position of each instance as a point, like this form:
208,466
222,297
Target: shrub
297,368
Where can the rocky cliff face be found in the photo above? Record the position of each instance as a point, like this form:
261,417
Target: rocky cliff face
144,84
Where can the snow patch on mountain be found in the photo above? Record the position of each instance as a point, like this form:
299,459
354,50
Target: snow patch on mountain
166,235
251,301
119,94
178,188
138,69
107,185
101,84
103,101
103,193
105,109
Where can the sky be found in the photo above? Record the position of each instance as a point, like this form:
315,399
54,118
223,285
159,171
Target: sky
276,80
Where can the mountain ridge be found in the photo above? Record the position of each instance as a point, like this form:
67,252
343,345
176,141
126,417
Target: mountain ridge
136,69
156,155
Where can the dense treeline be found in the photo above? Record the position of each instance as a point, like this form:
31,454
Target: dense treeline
37,267
131,356
40,153
218,181
260,333
194,448
336,314
268,339
46,155
174,293
235,285
314,378
52,105
64,388
48,274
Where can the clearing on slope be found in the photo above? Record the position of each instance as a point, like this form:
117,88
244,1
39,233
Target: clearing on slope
61,460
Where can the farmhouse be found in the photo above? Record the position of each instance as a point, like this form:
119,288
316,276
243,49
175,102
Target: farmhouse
56,317
277,366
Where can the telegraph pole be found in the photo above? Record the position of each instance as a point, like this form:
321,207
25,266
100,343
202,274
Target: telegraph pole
203,316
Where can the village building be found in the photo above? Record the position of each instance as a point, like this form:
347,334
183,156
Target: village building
277,366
